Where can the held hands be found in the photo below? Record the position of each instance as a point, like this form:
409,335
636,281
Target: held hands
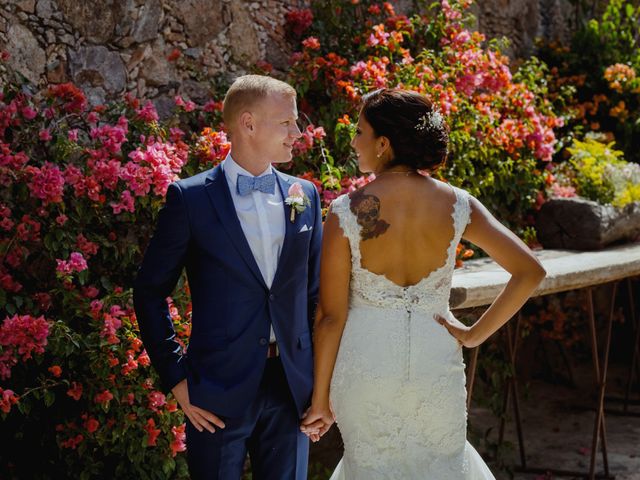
317,421
459,331
200,418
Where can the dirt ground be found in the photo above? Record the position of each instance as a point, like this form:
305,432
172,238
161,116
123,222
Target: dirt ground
558,421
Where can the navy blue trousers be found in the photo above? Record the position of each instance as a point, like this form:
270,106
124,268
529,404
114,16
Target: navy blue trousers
269,431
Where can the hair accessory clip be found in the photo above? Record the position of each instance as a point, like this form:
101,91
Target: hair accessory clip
430,121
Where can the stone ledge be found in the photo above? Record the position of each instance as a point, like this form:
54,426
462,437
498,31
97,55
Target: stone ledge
480,281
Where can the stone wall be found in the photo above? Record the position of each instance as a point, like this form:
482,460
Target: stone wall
522,21
153,48
159,48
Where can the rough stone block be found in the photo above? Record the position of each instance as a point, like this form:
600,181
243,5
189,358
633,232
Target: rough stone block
579,224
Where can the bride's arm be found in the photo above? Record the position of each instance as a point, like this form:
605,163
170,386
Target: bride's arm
331,316
515,257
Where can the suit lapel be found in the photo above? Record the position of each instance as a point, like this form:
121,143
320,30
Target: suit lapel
290,227
220,196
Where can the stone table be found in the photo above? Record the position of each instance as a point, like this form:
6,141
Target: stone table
480,281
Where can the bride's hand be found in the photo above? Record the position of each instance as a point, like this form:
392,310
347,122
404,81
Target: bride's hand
317,421
459,331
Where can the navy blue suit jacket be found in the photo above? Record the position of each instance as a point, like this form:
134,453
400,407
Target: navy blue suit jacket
198,229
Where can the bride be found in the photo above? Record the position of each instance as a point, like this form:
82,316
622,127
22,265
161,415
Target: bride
388,352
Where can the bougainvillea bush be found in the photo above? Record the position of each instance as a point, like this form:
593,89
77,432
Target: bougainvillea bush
502,124
82,185
80,189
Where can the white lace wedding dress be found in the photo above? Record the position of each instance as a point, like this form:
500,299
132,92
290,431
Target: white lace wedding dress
398,387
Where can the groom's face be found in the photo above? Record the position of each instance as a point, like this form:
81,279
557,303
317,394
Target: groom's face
276,128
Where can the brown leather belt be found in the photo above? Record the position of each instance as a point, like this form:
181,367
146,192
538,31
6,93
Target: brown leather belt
273,351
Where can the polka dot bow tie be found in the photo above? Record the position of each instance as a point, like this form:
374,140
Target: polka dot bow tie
264,184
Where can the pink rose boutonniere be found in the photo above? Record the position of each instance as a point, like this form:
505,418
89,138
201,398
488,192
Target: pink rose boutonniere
297,200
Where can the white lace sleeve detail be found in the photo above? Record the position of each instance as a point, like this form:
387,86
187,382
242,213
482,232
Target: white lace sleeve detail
341,207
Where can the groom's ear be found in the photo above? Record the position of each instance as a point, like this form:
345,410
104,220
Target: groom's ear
247,122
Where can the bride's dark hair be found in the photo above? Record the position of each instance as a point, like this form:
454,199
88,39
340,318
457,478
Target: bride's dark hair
418,134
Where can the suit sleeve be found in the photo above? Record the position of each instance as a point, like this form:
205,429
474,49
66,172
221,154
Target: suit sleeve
157,277
314,258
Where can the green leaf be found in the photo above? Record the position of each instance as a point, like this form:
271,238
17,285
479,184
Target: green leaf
168,465
49,398
629,10
24,407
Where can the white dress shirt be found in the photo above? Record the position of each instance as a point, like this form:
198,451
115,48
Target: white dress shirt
262,220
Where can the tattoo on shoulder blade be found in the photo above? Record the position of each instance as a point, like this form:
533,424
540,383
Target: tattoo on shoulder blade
367,210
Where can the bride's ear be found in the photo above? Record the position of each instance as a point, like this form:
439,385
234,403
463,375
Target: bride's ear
383,147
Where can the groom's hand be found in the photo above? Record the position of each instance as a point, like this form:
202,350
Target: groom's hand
200,418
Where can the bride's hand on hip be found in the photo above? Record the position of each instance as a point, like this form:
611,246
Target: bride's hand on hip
317,421
459,331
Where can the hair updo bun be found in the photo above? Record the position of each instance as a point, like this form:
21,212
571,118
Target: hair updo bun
418,133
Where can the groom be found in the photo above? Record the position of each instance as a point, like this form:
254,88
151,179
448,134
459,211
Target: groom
252,265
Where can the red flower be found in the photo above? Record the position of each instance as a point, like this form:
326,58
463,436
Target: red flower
312,43
21,336
91,425
75,391
7,400
103,397
85,246
264,66
55,370
47,183
29,113
144,359
136,344
179,439
45,135
297,21
72,442
212,146
152,432
72,98
174,55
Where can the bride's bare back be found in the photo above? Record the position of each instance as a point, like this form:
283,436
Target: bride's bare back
406,226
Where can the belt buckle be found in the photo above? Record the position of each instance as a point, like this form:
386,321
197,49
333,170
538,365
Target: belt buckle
273,350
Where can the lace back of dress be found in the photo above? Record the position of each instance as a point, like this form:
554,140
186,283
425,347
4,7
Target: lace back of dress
370,288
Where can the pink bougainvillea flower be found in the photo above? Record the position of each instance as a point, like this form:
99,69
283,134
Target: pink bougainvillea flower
21,337
47,183
179,443
76,263
7,399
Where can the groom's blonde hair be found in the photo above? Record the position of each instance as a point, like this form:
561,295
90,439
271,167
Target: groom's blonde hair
246,91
